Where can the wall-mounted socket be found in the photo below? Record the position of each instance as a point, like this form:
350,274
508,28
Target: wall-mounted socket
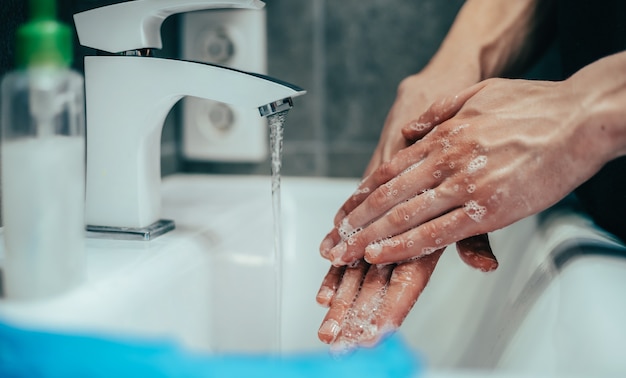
214,131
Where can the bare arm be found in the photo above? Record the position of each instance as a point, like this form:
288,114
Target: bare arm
496,38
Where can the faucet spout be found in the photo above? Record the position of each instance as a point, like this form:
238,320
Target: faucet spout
128,99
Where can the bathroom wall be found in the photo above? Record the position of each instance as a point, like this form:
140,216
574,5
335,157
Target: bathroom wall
350,56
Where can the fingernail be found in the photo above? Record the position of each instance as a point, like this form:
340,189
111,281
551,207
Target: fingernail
325,295
326,246
337,253
329,330
372,251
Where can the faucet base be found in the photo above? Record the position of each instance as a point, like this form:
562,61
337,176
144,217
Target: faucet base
147,233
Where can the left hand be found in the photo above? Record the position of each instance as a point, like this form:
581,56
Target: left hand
496,153
367,301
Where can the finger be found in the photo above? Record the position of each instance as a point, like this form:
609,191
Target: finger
406,185
426,238
384,197
438,112
360,321
341,301
329,286
406,283
405,286
401,218
476,252
361,192
404,161
332,239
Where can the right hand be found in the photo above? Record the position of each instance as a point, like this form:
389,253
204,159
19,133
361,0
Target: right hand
415,95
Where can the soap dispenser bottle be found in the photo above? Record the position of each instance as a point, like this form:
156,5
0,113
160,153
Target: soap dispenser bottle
43,160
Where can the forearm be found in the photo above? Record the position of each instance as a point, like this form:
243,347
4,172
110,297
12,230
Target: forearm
493,38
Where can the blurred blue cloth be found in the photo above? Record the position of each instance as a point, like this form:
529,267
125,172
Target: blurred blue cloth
31,353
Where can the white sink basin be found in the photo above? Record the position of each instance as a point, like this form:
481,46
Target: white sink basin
210,284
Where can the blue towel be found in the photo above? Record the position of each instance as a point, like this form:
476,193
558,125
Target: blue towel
33,353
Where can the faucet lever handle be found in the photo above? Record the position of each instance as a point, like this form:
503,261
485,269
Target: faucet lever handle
136,24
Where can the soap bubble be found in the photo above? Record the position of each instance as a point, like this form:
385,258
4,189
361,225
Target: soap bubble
445,144
475,211
359,323
478,163
346,230
363,190
458,129
428,251
419,126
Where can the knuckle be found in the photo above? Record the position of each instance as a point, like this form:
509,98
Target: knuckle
430,231
385,172
379,197
398,216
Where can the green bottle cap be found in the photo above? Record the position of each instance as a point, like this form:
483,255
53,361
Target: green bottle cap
43,40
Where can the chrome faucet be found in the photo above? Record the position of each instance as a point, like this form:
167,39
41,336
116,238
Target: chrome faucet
128,96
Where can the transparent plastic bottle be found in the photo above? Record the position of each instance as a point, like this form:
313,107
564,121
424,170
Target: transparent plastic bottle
43,161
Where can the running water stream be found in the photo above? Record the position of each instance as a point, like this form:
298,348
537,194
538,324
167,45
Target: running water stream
276,124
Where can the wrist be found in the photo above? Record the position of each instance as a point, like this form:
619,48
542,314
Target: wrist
601,87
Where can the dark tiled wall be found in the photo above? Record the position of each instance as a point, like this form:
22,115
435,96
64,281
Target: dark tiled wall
351,59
